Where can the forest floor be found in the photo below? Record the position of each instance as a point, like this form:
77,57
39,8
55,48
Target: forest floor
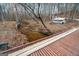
9,33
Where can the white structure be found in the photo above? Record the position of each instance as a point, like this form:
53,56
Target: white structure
59,20
77,19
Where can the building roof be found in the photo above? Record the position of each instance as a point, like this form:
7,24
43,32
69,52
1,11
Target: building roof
59,18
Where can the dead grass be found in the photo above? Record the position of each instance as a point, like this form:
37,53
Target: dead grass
28,33
32,36
32,29
17,40
8,33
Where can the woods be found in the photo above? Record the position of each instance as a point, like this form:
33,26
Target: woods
22,23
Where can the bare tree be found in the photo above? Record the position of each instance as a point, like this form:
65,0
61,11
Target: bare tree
1,14
75,11
16,16
37,16
72,13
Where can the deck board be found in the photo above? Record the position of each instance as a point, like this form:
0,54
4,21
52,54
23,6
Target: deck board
67,46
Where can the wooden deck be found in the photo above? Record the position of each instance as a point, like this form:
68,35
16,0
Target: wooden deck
67,46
